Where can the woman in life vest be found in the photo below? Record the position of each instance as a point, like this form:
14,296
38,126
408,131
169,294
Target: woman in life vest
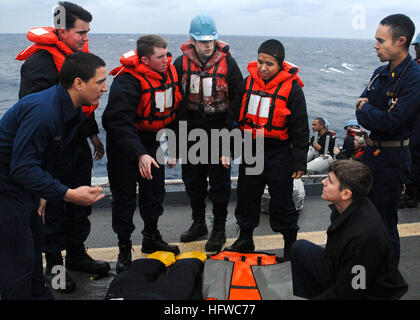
273,107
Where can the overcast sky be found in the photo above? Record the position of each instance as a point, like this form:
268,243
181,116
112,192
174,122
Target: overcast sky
298,18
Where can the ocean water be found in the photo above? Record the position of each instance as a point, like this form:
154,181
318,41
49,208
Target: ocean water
334,71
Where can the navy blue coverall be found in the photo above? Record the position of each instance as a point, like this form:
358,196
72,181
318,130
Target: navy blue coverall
32,133
390,166
66,225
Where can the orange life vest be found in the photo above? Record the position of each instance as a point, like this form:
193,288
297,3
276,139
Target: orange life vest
232,275
158,103
359,153
206,86
264,106
45,38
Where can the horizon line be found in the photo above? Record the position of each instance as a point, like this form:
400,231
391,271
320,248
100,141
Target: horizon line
221,36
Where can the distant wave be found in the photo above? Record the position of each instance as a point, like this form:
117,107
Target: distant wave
348,66
328,69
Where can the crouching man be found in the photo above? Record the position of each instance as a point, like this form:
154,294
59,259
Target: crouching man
33,133
357,262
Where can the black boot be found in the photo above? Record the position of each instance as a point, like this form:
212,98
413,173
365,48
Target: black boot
244,243
218,236
289,240
153,242
409,198
198,228
55,259
77,259
124,256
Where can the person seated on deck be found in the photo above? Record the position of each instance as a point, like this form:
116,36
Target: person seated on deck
358,260
359,146
352,127
320,126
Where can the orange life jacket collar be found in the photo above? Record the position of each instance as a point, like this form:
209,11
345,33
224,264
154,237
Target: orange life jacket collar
221,50
288,72
150,117
131,62
45,38
264,105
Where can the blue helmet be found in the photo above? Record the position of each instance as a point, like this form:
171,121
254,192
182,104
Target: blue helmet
417,39
351,123
203,28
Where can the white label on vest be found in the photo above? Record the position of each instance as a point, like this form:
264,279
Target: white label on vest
207,86
39,31
264,107
254,102
160,100
195,84
129,54
168,98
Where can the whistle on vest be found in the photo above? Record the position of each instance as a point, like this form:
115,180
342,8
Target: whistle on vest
377,152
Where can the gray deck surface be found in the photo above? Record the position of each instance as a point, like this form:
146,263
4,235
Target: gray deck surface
177,218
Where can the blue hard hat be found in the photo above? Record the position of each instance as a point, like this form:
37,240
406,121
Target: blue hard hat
351,123
203,28
417,39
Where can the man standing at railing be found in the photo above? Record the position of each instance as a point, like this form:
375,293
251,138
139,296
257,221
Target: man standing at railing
211,78
144,98
388,108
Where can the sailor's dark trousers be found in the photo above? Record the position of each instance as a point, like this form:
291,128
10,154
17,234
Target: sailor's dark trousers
21,273
66,224
277,174
195,176
308,269
123,178
390,169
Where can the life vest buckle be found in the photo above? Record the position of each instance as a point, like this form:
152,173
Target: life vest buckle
262,93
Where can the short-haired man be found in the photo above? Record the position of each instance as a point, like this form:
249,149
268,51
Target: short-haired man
357,244
388,107
66,225
210,77
144,98
273,102
416,44
318,125
33,133
412,187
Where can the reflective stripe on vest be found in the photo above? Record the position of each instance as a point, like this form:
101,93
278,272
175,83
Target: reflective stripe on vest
267,111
